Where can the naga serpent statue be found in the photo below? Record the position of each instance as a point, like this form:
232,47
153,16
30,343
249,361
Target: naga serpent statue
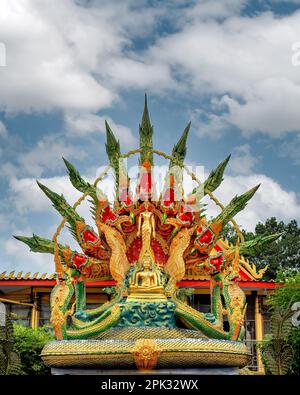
146,244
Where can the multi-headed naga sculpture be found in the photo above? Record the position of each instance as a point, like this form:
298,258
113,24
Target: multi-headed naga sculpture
146,243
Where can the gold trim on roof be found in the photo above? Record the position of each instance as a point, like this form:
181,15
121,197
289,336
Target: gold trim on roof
191,274
27,276
244,263
2,275
251,268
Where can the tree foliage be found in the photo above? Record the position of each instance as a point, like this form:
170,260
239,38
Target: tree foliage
278,352
29,343
281,348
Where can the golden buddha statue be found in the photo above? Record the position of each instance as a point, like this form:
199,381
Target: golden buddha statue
147,281
146,229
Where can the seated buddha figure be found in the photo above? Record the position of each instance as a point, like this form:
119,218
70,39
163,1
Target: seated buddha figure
147,278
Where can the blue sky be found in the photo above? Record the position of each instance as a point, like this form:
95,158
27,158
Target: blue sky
231,67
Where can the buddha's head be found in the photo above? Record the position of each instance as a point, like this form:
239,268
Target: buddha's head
147,262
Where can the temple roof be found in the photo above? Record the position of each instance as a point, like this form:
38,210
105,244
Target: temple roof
28,276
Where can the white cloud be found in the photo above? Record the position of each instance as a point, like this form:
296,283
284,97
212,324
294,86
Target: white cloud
142,72
74,56
270,200
47,155
82,124
208,124
271,109
65,55
9,170
242,161
25,260
291,149
27,196
245,63
45,67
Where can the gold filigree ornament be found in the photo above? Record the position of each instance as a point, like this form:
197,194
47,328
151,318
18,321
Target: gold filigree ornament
58,317
145,354
236,305
252,269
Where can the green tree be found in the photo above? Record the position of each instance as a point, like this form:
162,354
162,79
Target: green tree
29,343
284,253
281,348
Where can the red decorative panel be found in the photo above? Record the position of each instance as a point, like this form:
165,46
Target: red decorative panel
135,248
160,256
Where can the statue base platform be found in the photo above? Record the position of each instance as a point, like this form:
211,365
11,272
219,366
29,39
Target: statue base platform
145,349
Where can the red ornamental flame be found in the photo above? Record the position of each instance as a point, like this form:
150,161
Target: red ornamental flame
169,197
168,201
217,262
206,237
185,216
145,183
125,198
89,236
79,260
107,215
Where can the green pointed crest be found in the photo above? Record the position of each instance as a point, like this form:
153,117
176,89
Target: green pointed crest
38,244
257,244
216,176
62,206
77,181
237,204
179,150
112,146
115,158
146,134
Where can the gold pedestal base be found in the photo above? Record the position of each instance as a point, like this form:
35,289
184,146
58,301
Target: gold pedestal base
146,353
146,298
